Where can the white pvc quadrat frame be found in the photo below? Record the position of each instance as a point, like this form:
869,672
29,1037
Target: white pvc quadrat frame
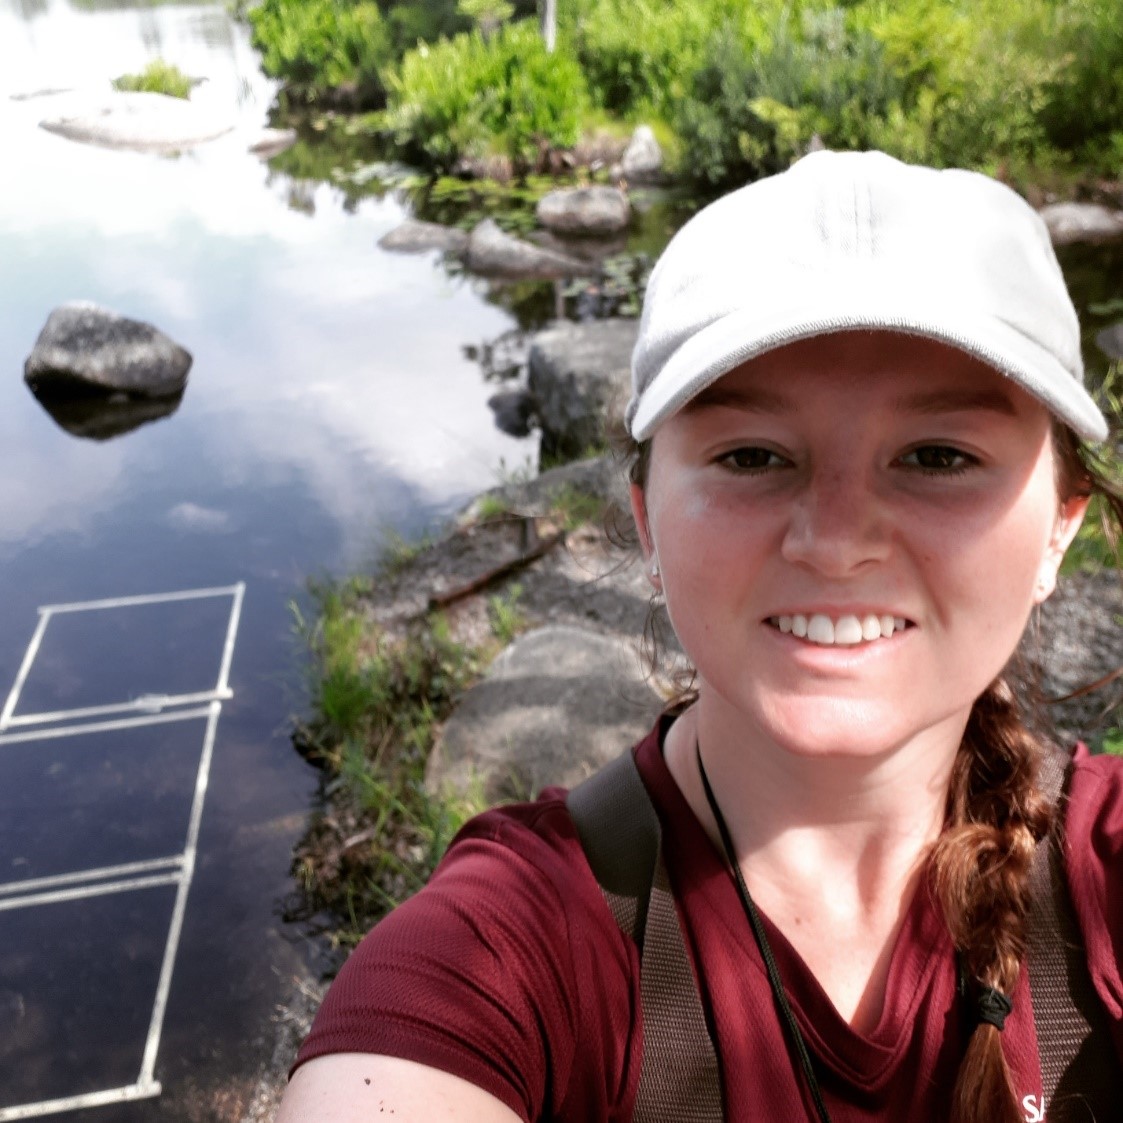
175,869
148,703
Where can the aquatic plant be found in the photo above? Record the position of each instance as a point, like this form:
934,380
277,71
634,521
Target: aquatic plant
158,77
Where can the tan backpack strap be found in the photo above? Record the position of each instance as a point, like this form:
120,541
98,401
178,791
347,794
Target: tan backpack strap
619,830
1079,1069
619,833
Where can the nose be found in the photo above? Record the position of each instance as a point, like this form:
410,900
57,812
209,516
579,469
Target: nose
837,523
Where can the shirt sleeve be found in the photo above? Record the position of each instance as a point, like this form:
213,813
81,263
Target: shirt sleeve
1094,865
506,970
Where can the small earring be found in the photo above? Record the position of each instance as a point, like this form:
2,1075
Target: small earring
654,567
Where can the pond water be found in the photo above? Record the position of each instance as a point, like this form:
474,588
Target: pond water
337,394
331,400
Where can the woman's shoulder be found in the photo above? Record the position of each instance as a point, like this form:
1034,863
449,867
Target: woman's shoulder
485,973
1093,851
1095,797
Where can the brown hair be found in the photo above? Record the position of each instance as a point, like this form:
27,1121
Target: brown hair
995,814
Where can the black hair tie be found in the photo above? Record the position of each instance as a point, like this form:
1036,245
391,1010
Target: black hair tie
992,1007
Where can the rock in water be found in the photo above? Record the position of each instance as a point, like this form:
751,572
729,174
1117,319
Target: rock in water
1110,341
642,161
580,376
414,236
1069,223
584,211
146,121
272,142
493,253
85,348
513,410
101,417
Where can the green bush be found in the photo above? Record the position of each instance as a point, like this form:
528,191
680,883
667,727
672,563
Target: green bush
757,100
469,98
324,49
158,77
411,23
996,83
993,84
1085,110
641,54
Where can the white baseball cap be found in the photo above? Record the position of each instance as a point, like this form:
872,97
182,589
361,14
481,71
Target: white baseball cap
846,241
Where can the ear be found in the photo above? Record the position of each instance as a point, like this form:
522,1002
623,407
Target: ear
643,527
639,513
1069,518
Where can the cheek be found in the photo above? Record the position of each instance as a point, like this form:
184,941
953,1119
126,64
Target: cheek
712,556
991,571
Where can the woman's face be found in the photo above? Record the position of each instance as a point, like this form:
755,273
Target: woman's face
886,489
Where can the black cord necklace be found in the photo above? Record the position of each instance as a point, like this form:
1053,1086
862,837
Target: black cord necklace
757,926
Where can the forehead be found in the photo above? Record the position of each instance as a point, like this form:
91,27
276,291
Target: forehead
863,371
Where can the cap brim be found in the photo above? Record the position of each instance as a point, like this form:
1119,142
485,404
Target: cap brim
720,348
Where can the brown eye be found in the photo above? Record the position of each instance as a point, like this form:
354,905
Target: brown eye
938,459
751,459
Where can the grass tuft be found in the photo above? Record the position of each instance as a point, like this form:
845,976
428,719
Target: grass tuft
503,613
376,704
158,77
572,507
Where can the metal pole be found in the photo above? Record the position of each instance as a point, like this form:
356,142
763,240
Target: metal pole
549,23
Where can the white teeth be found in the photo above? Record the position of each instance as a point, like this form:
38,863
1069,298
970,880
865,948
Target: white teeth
820,629
846,631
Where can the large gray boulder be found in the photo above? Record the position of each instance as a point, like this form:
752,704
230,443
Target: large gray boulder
1070,223
642,161
555,705
86,348
145,121
414,236
493,253
584,211
599,477
580,378
1083,642
1110,341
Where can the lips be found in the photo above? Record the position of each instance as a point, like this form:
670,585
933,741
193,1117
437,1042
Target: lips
842,631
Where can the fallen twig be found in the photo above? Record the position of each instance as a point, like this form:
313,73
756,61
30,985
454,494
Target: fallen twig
451,596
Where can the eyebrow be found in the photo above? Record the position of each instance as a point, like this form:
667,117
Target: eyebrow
756,399
958,401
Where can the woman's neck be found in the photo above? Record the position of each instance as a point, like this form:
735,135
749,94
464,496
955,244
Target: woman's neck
832,848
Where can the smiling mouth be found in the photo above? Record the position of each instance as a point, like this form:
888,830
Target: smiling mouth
846,631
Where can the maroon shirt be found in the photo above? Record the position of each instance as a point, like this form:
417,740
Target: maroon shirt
509,971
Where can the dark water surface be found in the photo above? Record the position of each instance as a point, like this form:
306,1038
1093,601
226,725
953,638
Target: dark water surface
330,400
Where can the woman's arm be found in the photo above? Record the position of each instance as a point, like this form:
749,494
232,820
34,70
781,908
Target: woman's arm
363,1088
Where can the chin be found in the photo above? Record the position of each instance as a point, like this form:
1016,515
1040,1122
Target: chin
836,728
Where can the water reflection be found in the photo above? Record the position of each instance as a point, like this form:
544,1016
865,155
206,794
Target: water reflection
101,417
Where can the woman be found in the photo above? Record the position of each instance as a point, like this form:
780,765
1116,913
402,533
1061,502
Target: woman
857,403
